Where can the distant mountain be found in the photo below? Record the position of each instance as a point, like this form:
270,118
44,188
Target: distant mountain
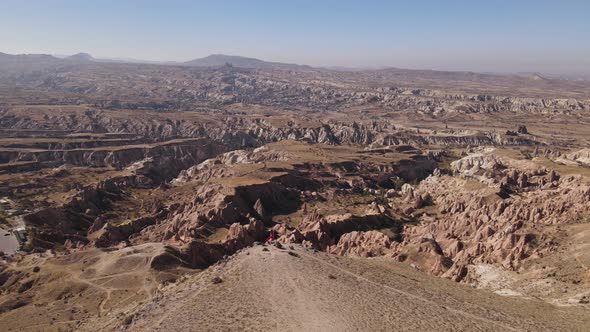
85,57
80,57
15,64
421,76
27,57
354,69
133,60
217,60
26,63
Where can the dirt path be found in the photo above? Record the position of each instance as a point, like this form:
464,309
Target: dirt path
577,257
467,315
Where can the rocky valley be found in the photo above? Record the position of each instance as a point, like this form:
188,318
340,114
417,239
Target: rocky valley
278,191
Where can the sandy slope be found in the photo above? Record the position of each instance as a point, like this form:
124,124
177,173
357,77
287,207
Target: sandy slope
84,286
275,291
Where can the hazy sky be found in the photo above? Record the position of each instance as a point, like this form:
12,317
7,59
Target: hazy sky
510,35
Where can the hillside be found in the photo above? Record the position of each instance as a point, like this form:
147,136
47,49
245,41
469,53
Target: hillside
272,289
216,60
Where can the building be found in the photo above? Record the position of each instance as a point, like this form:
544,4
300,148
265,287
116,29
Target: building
21,234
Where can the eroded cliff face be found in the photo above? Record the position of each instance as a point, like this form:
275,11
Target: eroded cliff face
233,131
486,209
434,223
489,212
84,211
227,197
212,209
183,152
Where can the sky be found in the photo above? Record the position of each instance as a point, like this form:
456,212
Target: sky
485,36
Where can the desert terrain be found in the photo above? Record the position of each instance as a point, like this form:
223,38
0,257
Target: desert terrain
236,194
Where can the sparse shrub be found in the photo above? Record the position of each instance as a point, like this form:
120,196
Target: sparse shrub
129,319
397,182
58,247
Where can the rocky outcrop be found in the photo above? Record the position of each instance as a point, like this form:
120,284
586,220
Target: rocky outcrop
213,167
71,221
200,254
241,236
496,223
176,156
325,231
286,234
363,244
488,212
110,234
213,208
476,163
581,157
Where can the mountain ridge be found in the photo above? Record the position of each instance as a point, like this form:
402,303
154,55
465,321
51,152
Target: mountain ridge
8,61
216,60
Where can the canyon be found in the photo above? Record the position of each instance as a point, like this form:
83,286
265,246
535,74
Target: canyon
132,187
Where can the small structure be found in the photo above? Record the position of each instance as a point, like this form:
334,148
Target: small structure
21,234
